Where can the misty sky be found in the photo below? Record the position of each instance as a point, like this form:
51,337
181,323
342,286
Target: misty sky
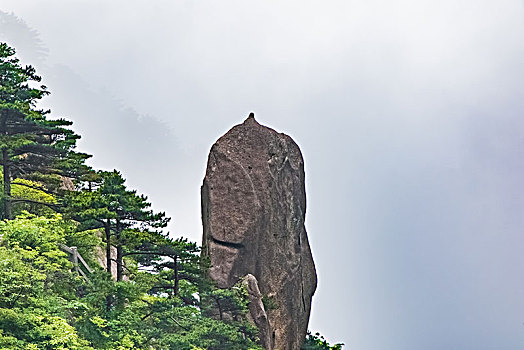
409,114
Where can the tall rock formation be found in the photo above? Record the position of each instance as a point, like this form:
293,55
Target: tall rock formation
253,211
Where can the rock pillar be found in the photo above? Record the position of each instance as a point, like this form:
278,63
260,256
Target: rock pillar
253,211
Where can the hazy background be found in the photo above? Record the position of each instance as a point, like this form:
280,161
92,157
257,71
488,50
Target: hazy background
409,115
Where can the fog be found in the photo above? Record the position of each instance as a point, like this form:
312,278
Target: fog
409,115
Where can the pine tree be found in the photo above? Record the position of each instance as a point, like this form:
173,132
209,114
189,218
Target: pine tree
32,147
126,217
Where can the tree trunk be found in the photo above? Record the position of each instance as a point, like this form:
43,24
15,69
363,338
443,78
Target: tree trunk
7,184
175,258
5,165
107,227
119,255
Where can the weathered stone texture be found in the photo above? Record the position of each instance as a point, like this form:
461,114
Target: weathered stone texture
253,211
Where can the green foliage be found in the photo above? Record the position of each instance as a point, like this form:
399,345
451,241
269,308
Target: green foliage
39,237
33,198
20,280
124,216
44,305
31,146
269,302
21,329
163,300
36,286
317,342
15,92
30,196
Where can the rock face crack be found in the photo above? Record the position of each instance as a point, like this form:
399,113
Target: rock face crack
253,214
227,244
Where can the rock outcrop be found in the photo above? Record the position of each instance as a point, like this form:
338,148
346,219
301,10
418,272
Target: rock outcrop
253,211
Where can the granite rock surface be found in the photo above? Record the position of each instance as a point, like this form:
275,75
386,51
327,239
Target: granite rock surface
253,212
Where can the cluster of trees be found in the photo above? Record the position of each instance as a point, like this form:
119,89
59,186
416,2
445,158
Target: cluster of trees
318,342
151,292
148,294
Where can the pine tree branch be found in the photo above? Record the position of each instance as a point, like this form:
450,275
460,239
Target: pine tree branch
40,188
23,200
